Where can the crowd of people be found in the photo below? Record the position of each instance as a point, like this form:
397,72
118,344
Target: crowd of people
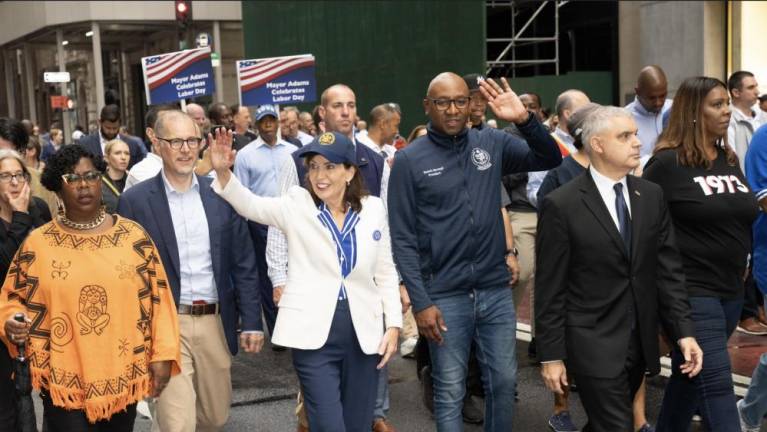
141,266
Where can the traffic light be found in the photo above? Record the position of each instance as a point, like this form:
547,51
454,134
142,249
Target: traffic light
183,12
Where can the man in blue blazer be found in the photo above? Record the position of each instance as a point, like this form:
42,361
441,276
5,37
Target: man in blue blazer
211,267
109,126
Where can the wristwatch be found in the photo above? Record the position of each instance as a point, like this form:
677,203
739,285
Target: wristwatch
513,251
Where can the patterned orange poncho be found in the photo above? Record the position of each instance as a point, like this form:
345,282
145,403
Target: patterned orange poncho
101,311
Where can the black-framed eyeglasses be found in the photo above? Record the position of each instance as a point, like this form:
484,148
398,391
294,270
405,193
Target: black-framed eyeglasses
177,143
89,177
20,177
444,104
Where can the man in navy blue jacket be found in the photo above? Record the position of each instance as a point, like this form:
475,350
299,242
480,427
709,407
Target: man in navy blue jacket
449,245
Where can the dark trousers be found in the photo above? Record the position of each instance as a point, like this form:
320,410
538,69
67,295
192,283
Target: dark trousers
258,234
338,380
7,391
608,401
710,392
63,420
752,299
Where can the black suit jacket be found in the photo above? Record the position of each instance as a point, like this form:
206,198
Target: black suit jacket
590,291
92,142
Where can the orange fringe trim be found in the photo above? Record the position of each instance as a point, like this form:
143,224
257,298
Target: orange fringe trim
100,408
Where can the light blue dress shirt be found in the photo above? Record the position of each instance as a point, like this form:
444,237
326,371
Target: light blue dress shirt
650,124
190,225
258,164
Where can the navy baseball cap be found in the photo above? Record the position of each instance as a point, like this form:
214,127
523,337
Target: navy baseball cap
335,147
265,110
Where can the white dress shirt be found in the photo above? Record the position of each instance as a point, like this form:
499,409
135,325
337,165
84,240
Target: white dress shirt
305,138
190,224
388,149
605,188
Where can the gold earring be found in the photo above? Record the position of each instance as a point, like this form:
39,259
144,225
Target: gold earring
60,210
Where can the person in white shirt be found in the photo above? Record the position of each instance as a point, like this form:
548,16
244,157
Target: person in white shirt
567,103
384,127
649,106
744,121
744,93
289,122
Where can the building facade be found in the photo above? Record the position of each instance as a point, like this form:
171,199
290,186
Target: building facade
100,43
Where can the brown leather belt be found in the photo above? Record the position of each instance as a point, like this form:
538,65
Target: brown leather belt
198,309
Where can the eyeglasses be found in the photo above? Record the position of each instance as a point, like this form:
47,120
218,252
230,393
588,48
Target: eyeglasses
177,143
21,177
89,177
444,104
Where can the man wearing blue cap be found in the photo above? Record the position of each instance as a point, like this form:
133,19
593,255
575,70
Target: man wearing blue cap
257,166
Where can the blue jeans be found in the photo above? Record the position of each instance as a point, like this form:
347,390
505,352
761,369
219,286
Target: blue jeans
487,317
710,392
754,405
382,395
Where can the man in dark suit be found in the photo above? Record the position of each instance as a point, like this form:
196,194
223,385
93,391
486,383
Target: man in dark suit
211,268
607,268
109,126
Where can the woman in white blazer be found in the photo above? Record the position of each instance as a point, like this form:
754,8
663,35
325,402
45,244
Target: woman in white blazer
340,311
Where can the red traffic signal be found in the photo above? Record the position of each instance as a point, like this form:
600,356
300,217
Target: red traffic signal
183,12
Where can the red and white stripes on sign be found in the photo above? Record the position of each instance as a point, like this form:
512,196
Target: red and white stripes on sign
268,69
159,72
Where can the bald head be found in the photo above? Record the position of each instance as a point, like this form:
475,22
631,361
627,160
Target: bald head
567,103
652,88
446,79
170,120
651,76
197,113
331,91
338,109
449,118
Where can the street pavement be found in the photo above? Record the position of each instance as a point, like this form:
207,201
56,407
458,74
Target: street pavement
265,389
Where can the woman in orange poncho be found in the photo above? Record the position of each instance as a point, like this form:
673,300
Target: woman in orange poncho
101,327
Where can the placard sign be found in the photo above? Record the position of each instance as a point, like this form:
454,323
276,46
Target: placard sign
178,75
277,80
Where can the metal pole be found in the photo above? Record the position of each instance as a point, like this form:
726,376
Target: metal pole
218,71
30,76
97,65
126,97
65,124
10,84
513,49
556,35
